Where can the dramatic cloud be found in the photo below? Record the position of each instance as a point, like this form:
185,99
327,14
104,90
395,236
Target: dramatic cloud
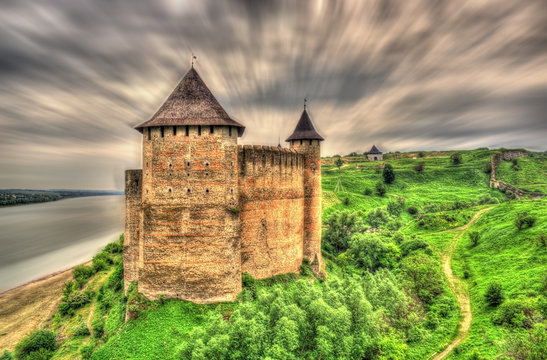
404,75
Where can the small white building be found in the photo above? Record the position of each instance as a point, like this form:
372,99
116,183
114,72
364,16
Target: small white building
374,154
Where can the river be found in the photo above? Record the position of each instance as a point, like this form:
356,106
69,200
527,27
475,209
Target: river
39,239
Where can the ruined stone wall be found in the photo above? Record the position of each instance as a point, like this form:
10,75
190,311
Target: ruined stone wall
498,158
133,224
312,201
271,203
190,245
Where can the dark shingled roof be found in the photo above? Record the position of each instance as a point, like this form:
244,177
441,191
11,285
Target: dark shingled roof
374,150
191,103
304,129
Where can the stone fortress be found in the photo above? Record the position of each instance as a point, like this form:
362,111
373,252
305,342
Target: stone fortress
203,209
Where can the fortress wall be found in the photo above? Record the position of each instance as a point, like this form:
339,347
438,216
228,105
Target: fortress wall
271,189
133,223
190,241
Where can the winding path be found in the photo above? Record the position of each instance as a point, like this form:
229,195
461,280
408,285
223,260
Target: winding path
458,287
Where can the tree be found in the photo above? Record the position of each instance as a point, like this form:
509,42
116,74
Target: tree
380,189
494,294
388,174
339,163
456,158
340,227
424,275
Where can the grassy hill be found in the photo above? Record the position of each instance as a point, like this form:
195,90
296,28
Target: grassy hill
386,295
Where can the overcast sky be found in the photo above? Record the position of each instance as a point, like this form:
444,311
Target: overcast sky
77,75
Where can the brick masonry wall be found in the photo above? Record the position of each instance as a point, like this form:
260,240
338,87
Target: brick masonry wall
190,245
271,188
203,210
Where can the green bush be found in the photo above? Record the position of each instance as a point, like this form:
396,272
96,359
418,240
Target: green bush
412,210
368,192
38,344
523,220
98,327
487,168
101,261
411,245
380,189
388,174
81,330
511,312
456,158
494,294
474,236
420,167
339,163
81,274
346,201
394,208
86,351
378,217
7,355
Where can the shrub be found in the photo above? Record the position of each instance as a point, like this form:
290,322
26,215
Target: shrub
86,351
388,174
411,245
494,294
394,208
101,261
474,236
346,201
487,167
523,220
81,330
41,342
81,274
114,248
377,217
421,154
511,313
7,355
531,344
339,163
487,199
419,167
371,253
368,192
456,158
412,210
98,327
380,189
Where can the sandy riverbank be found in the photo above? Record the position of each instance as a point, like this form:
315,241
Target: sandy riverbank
27,307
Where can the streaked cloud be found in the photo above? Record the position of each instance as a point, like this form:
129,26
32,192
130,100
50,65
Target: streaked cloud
404,75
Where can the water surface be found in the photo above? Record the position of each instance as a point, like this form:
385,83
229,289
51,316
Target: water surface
38,239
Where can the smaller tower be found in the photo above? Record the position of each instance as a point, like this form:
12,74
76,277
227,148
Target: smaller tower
306,140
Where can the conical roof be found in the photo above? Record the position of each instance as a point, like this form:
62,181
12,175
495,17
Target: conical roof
304,129
191,103
374,150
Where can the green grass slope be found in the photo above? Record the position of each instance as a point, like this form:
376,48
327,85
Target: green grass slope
509,256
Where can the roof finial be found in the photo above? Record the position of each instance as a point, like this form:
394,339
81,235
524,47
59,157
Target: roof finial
305,101
193,58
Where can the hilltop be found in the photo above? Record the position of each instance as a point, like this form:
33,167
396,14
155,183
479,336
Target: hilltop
404,261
